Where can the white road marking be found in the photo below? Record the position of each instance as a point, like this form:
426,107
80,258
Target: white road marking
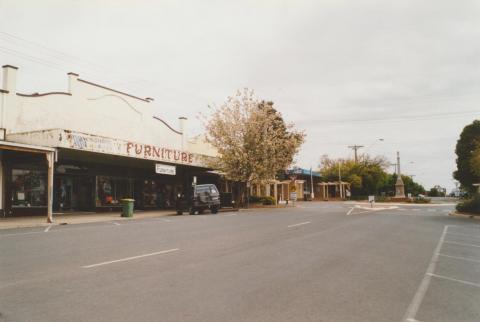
116,223
132,258
416,209
20,234
228,215
461,258
413,320
462,244
455,280
299,224
166,220
422,289
47,229
350,211
466,235
363,212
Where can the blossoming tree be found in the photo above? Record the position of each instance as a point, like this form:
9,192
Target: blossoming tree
253,141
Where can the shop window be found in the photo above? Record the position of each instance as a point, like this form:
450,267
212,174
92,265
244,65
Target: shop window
29,188
151,194
112,190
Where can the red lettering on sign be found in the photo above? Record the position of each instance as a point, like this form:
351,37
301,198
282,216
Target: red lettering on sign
138,148
148,150
129,146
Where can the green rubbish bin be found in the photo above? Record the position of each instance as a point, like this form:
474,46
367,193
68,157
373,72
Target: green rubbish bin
127,207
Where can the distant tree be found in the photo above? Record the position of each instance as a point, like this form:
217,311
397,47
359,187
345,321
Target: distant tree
252,139
366,176
468,157
437,191
434,192
411,186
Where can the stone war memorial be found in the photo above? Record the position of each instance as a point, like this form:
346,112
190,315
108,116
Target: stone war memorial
399,185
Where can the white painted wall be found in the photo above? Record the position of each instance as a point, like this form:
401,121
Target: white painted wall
93,110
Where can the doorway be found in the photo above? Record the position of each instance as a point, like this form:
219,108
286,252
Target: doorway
74,193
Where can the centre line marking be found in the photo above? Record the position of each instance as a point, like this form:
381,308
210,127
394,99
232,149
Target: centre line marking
461,244
455,280
47,229
299,224
116,223
350,211
166,220
132,258
424,284
461,258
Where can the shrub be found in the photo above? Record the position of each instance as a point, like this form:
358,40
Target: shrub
268,200
421,200
471,205
382,199
255,199
358,197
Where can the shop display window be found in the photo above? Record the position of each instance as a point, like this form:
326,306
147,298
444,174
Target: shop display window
29,188
152,194
112,190
158,194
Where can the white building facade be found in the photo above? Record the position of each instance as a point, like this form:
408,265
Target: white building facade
87,148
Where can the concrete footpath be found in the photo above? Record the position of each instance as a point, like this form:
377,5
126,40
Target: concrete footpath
83,218
77,218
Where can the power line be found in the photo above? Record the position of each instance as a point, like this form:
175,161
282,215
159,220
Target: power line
59,55
58,60
424,117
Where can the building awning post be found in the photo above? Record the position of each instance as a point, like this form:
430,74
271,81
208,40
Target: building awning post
50,161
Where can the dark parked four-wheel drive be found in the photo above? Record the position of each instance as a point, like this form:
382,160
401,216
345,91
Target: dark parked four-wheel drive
201,198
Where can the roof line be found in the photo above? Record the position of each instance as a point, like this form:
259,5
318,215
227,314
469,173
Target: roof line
113,90
43,94
171,128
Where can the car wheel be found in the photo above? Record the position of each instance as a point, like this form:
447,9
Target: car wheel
179,212
214,210
192,211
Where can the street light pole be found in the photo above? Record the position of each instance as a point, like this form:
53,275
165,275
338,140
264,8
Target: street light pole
340,179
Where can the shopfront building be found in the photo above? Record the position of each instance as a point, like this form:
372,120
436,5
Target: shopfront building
105,145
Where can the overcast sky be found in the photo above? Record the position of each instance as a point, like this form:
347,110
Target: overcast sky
347,72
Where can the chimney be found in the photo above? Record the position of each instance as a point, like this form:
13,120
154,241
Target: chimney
72,82
182,124
10,78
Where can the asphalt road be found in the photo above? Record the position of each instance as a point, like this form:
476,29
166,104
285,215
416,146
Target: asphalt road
316,262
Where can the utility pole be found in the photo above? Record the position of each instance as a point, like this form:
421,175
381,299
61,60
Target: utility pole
355,149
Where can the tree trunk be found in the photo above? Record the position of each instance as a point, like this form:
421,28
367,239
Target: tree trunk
239,195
